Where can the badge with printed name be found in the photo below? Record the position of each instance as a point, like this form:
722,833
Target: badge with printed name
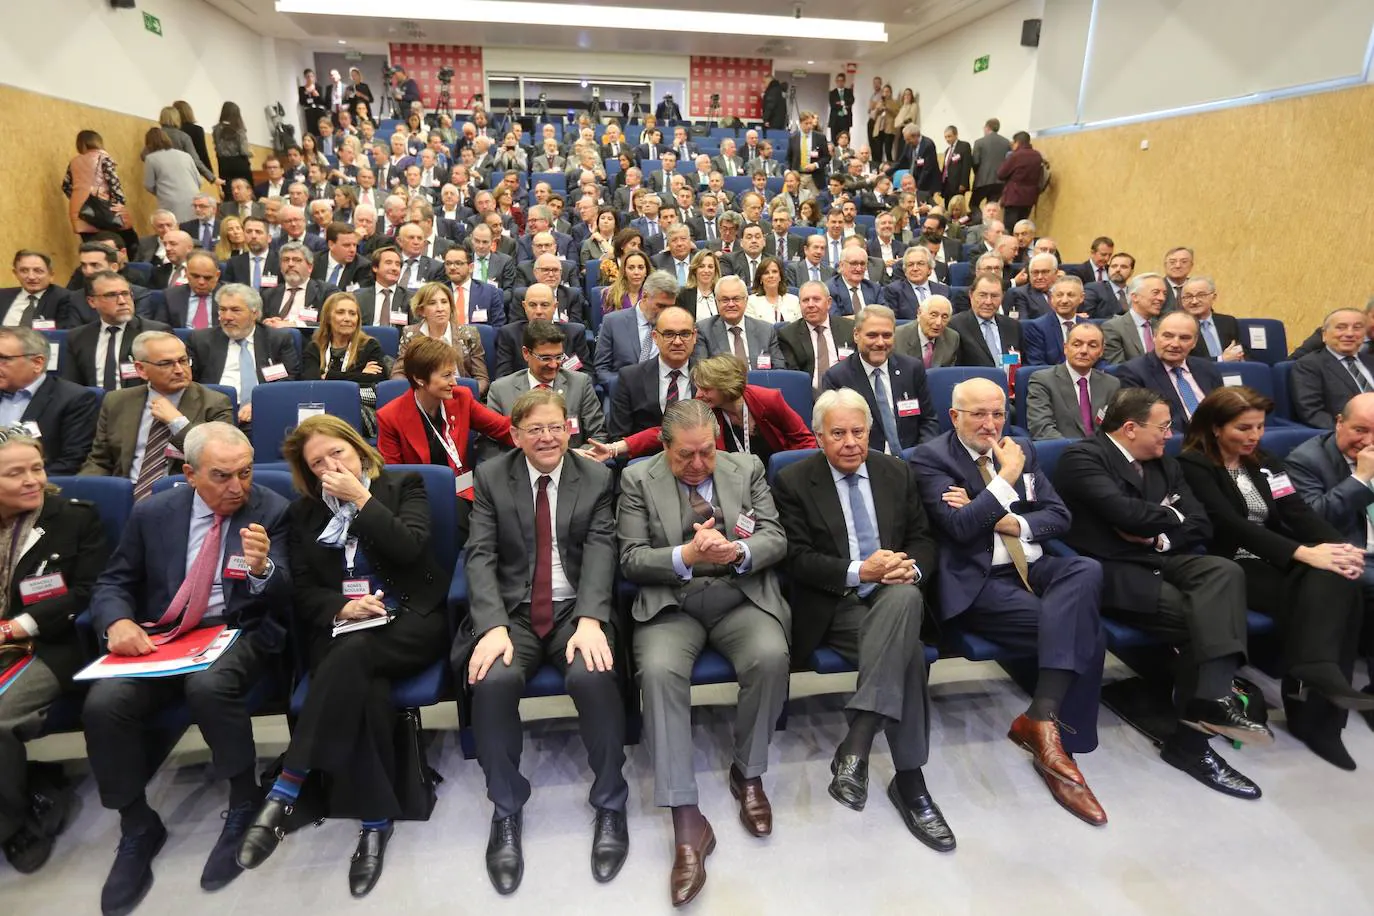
356,588
477,316
574,427
745,524
399,318
1028,482
845,352
1279,485
909,407
236,567
920,162
274,372
32,427
573,363
765,361
309,315
44,324
37,588
267,282
462,484
352,287
127,371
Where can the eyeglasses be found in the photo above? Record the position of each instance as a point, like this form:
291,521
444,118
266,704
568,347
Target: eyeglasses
114,296
1162,427
549,360
538,432
182,361
8,359
1196,297
684,335
981,415
726,300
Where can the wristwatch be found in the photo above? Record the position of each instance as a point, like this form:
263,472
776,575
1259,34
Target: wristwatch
739,553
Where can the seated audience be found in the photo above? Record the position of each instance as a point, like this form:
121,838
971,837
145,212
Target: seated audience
295,300
905,294
1108,298
1033,299
626,336
61,413
340,350
1131,335
1044,336
543,366
698,295
192,304
893,385
1322,381
817,340
986,336
238,352
1171,371
731,331
432,305
929,338
99,354
539,305
37,302
769,298
1219,334
1068,401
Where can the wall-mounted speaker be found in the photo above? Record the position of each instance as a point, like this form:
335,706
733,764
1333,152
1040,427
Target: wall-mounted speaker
1030,33
123,4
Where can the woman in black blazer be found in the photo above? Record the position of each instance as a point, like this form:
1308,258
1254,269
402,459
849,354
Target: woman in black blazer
339,350
1296,569
42,535
359,550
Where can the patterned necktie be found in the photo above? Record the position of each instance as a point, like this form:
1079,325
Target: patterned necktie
1013,544
1185,391
248,373
30,310
541,590
672,395
200,320
109,377
928,356
154,466
1085,407
855,301
1356,374
193,597
646,345
893,445
864,532
738,344
1147,337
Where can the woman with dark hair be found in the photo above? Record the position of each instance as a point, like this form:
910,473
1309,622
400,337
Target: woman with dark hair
169,174
602,239
1296,569
809,213
359,96
231,145
92,173
627,162
628,288
770,300
193,130
360,550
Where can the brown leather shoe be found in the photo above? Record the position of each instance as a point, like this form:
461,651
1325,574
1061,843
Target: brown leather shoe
755,813
1041,739
688,876
1077,800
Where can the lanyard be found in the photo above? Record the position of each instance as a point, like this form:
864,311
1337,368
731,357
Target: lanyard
744,427
350,554
444,438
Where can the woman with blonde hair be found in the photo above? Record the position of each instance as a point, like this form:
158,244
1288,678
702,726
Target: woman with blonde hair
191,129
170,175
339,350
885,127
432,306
699,295
908,112
232,239
170,121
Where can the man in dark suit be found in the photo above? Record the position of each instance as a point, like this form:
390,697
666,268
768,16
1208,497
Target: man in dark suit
539,306
1178,267
258,266
699,535
807,152
885,245
1044,336
141,432
1095,269
841,105
1323,381
156,580
296,300
1218,334
540,219
851,290
905,294
204,229
149,246
98,354
651,148
473,302
569,302
191,305
1033,299
986,336
810,265
342,267
994,509
676,257
292,220
1109,298
817,340
1171,371
893,385
733,332
780,242
37,299
223,355
956,169
532,607
490,265
1067,401
60,413
920,158
646,388
858,549
1132,510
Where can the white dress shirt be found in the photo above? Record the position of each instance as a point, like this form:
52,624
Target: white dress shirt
101,343
230,377
684,391
1006,495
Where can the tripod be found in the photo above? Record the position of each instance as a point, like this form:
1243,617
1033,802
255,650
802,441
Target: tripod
635,108
444,103
713,113
793,115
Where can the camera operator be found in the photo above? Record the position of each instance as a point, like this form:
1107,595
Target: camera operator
404,90
667,110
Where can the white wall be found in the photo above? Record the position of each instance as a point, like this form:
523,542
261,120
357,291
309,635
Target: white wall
83,51
941,73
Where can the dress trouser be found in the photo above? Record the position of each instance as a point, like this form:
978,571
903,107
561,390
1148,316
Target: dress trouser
666,647
23,708
118,709
1058,620
348,726
1202,608
600,714
881,634
983,192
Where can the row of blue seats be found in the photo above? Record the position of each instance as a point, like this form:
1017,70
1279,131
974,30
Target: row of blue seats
631,132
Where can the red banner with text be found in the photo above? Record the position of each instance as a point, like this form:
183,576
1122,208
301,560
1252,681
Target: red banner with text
738,80
423,63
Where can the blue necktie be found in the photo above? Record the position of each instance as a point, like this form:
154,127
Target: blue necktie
334,275
864,532
894,442
257,271
1185,391
248,373
993,340
1209,334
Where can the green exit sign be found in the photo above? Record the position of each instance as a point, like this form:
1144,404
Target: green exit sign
152,24
979,64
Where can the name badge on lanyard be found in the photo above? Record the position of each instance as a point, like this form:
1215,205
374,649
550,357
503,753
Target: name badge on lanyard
353,587
463,484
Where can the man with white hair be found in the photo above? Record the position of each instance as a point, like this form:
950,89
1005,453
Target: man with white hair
1032,299
733,332
204,229
150,246
876,569
930,338
292,219
240,353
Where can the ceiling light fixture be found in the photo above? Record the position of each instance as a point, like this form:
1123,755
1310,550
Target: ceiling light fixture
503,12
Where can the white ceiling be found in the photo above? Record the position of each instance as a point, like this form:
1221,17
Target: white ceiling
909,23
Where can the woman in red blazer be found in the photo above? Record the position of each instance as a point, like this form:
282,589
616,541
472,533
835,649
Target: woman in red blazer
752,418
431,425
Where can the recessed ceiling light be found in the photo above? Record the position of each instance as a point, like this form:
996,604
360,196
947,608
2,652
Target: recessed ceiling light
342,42
810,61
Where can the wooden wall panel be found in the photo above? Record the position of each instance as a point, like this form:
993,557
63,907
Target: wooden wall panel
1275,199
33,210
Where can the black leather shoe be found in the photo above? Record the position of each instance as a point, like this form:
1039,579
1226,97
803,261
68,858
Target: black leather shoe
50,809
265,834
610,844
849,780
28,850
1212,770
505,860
1226,718
923,818
223,866
131,875
1317,727
366,867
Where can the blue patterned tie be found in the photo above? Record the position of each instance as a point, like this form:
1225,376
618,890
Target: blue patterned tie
889,420
1185,391
248,373
864,532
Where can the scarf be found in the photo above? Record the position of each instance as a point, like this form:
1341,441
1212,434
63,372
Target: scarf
335,534
11,540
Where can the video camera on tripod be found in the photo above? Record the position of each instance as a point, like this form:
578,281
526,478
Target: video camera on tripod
283,134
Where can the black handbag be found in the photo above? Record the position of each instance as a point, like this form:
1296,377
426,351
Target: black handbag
100,213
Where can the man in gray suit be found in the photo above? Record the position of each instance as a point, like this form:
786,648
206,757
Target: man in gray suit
541,561
699,535
1332,473
1068,400
543,343
988,152
731,331
811,266
930,338
1132,335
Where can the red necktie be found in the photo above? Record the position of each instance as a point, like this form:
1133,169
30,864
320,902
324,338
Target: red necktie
541,592
193,597
202,315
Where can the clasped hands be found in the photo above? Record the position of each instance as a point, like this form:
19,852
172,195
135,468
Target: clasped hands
709,545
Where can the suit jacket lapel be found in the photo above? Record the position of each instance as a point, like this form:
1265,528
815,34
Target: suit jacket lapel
569,493
523,498
662,492
1123,468
886,508
729,494
46,392
415,432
